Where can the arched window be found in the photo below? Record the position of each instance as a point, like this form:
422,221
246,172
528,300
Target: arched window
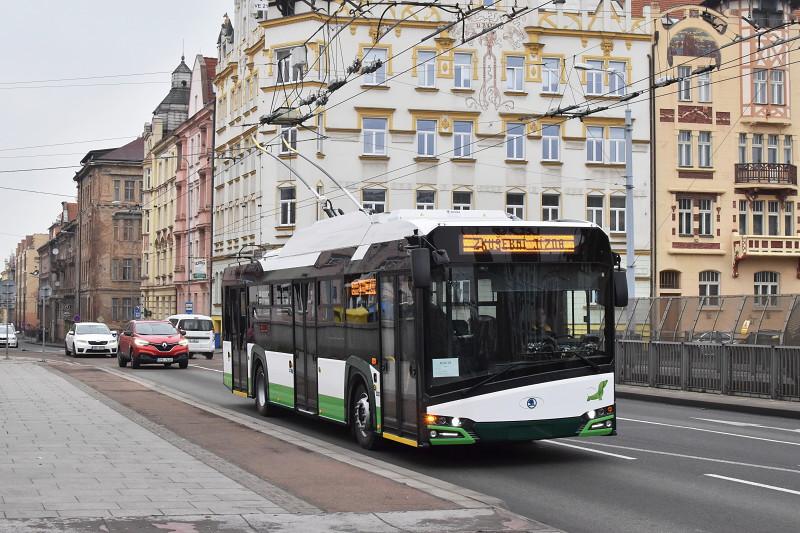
765,287
669,279
708,288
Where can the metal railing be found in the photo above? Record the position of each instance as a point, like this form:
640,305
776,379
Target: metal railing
735,369
766,173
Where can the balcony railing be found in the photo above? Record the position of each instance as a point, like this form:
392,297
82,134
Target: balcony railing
765,245
766,173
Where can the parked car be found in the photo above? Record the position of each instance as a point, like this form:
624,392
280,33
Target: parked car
199,331
90,338
146,342
764,337
8,336
714,337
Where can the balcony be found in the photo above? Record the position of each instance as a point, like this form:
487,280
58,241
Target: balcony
766,174
774,246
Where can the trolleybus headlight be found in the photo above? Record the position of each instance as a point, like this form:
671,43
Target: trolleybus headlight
455,422
590,414
434,433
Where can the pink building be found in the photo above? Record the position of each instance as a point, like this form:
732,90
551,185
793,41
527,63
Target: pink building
194,184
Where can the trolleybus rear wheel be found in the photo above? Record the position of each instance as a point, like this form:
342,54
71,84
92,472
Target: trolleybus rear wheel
363,420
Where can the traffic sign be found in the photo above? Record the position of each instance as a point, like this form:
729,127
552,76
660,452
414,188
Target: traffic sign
137,312
189,307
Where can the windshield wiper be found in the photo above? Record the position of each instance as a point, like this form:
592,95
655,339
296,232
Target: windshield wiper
586,360
506,370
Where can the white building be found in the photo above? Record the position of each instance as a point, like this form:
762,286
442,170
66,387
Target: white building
442,123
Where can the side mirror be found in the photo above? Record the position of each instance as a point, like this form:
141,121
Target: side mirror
182,331
18,332
421,268
113,333
620,289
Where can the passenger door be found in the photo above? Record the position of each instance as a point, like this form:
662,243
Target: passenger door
305,342
236,308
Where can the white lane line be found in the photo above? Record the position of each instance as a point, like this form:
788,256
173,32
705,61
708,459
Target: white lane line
206,368
709,431
745,424
697,457
753,483
558,443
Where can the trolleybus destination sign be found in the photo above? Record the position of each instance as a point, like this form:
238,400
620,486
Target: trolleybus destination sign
476,244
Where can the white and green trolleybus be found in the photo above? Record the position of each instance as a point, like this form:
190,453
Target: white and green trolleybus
431,327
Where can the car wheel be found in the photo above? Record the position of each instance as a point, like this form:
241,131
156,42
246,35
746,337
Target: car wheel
134,361
121,361
210,355
363,419
183,364
262,393
66,350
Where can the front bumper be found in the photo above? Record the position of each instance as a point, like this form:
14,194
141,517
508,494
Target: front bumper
148,355
96,349
202,346
13,343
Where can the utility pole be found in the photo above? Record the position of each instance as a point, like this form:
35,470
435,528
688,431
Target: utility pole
630,250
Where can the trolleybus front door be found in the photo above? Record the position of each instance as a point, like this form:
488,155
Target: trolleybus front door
238,322
305,346
399,368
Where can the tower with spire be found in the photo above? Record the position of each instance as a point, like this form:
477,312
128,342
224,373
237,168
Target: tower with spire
174,108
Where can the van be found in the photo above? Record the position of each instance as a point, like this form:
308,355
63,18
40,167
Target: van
199,331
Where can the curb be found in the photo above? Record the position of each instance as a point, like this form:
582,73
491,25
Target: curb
739,404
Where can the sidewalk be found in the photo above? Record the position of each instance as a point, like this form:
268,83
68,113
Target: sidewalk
711,400
73,459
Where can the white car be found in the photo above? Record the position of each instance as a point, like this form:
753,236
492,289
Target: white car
8,336
199,331
90,338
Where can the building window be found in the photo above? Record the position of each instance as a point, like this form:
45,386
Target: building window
704,149
709,288
515,204
742,148
379,76
594,144
288,137
594,209
426,200
669,279
551,74
616,145
594,78
515,73
685,83
129,190
463,70
551,136
788,218
787,150
758,217
116,191
288,201
127,230
758,148
374,200
617,213
773,217
515,141
374,136
462,138
426,138
704,87
127,270
760,86
684,217
550,206
742,217
287,72
765,288
462,200
705,215
772,148
617,77
776,87
426,69
684,148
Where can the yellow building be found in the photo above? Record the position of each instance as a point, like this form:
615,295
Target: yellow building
725,183
160,167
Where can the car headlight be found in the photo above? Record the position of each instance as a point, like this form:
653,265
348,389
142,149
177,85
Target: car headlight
183,342
140,342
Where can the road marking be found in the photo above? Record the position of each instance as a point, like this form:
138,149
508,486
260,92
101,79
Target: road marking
206,368
697,457
753,483
709,431
745,424
559,443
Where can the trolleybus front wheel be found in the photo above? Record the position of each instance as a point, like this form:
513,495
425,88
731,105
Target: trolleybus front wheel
362,419
262,403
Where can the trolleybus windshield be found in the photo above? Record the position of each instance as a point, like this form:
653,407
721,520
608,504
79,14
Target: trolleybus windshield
483,317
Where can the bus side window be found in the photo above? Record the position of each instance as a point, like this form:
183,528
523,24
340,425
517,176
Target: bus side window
330,330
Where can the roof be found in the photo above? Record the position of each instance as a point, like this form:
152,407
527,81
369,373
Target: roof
182,67
361,231
637,6
133,152
175,96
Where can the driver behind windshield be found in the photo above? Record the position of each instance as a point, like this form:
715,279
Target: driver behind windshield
542,324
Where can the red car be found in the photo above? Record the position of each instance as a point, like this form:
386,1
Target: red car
147,342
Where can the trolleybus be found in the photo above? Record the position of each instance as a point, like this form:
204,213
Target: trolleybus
430,327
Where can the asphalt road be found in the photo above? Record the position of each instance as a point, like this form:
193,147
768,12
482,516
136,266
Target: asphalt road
672,468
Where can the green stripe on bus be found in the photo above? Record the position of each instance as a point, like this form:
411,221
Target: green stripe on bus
281,394
331,407
227,380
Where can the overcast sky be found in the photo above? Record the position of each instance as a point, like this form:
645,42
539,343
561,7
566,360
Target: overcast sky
57,39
